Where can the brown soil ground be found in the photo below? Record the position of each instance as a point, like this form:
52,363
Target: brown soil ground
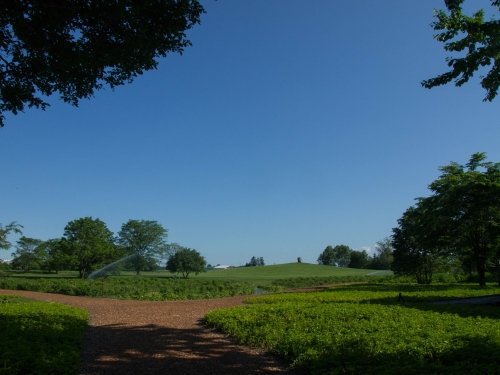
142,337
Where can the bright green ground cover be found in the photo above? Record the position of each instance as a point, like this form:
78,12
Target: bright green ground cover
366,330
39,337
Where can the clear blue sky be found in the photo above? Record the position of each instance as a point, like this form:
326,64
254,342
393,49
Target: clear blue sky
286,127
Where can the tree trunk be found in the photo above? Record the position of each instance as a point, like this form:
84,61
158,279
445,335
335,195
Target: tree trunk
481,270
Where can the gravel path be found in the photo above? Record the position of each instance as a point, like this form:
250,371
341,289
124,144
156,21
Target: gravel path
143,337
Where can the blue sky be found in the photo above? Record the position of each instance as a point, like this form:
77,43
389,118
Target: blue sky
286,127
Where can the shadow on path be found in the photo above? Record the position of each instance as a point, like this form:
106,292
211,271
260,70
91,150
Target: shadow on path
153,349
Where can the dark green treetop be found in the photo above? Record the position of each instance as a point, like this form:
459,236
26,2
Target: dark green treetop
87,243
186,261
75,47
477,38
460,219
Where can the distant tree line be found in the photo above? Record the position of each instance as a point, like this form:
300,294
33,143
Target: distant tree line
87,245
344,256
255,262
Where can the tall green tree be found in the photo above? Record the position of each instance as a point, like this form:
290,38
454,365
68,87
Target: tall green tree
27,255
144,238
10,228
186,261
73,48
359,259
383,258
88,242
476,36
416,243
462,216
52,255
339,256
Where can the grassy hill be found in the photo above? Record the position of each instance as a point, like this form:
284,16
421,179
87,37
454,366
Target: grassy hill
261,274
286,271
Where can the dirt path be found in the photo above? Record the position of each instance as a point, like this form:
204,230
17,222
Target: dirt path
143,337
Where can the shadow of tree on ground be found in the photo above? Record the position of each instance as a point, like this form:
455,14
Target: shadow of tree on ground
471,356
153,349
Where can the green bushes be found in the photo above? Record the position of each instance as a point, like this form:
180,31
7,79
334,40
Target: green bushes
39,337
139,288
304,282
365,329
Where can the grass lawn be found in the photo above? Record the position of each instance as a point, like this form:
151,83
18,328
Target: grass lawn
262,275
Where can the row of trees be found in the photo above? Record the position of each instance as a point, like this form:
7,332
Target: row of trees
344,256
255,262
88,244
457,226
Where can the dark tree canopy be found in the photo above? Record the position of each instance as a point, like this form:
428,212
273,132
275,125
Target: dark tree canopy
186,261
359,259
87,243
461,219
255,262
26,257
339,256
474,36
74,47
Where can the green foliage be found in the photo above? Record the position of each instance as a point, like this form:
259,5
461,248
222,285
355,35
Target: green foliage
383,257
477,37
461,219
135,287
255,262
88,242
359,259
52,255
186,261
76,47
307,282
13,227
40,338
144,238
339,256
365,329
26,256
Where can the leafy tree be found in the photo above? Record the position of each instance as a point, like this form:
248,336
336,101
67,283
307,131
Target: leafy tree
478,37
415,244
186,261
88,242
359,259
339,256
13,227
327,257
255,261
52,256
460,219
144,238
382,259
26,257
73,48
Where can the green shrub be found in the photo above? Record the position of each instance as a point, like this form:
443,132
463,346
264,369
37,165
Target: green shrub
139,288
367,330
40,338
